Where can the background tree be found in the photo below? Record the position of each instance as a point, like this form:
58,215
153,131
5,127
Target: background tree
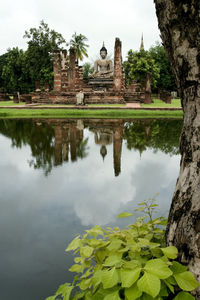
14,74
78,43
179,23
138,64
3,62
87,70
166,81
39,56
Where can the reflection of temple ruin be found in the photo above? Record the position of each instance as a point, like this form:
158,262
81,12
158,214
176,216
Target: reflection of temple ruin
68,138
106,133
71,145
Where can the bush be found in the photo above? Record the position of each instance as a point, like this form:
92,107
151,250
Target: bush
132,263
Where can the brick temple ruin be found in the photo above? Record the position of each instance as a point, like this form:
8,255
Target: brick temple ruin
106,84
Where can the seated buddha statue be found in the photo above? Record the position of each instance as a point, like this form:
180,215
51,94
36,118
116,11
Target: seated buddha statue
103,68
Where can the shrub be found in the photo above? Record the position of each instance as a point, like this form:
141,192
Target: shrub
132,263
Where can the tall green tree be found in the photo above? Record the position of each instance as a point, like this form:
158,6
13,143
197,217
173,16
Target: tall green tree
3,62
137,65
78,43
166,81
39,56
14,74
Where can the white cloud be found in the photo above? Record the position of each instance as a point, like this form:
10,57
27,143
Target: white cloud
98,20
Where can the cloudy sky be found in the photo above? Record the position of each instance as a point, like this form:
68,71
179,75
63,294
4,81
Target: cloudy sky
98,20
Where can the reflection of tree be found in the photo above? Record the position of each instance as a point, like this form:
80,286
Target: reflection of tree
52,142
155,134
38,136
49,145
82,149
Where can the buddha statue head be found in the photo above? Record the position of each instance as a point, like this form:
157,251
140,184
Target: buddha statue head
103,52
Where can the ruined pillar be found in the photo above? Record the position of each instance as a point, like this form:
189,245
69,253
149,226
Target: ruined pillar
72,68
57,71
58,145
117,149
64,71
118,66
148,89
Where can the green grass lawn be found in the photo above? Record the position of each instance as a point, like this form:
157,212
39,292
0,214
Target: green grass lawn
78,113
10,103
160,103
157,103
81,113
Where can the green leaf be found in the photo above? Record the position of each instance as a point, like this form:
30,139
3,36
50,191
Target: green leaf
109,278
159,268
170,252
65,291
88,296
75,243
78,296
186,281
163,291
149,284
164,222
177,267
133,292
86,251
132,264
113,296
184,296
96,279
169,286
128,277
125,215
76,268
148,297
114,245
112,260
100,256
95,231
84,284
100,294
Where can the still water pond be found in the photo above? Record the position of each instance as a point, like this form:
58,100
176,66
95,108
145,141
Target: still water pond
59,177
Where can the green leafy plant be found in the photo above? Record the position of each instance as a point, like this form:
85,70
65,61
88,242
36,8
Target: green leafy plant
132,263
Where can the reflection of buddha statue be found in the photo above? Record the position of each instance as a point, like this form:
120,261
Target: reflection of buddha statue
103,68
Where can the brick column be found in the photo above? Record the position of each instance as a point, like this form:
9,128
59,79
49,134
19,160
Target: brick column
118,66
64,71
148,89
72,69
57,71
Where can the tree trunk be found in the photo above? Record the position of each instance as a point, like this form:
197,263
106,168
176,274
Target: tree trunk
179,23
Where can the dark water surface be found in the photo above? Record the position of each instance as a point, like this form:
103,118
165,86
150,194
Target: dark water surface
59,177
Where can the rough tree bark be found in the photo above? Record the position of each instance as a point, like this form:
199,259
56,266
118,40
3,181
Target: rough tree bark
179,23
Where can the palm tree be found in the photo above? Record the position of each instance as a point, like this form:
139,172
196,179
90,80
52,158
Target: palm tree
78,43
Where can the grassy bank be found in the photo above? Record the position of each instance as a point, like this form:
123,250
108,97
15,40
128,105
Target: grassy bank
160,103
78,113
10,103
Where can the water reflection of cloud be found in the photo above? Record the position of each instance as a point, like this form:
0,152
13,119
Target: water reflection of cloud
39,215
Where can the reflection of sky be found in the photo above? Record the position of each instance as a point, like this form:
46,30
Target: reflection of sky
39,215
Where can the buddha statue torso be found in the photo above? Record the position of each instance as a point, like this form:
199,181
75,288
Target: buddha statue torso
103,68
